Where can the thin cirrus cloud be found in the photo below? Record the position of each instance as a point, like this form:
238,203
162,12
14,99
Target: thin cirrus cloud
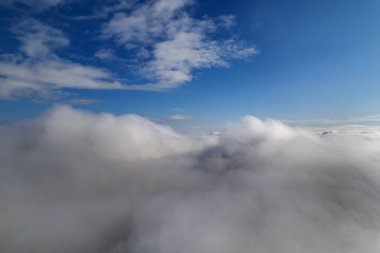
76,181
162,40
363,120
179,117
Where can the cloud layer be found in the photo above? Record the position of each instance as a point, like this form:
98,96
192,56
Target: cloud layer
74,181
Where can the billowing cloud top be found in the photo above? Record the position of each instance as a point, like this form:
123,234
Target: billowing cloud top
155,45
74,181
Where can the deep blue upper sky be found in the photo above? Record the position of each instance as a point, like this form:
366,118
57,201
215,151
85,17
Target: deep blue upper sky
212,61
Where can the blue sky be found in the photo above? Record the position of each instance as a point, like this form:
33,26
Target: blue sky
194,63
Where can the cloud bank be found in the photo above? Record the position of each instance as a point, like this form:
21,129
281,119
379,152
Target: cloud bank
75,181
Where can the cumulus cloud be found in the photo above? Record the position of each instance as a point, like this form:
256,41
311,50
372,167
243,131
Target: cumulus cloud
75,181
172,43
41,71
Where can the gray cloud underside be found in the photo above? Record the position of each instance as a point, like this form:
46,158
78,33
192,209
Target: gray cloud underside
74,181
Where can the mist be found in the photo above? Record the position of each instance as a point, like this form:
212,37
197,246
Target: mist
77,181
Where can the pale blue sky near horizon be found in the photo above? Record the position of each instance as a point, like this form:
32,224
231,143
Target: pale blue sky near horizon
301,59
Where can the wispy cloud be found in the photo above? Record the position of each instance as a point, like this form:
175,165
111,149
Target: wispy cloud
178,117
171,43
105,54
335,122
39,70
83,101
39,40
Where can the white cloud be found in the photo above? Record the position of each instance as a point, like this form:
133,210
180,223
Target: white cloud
105,54
39,40
178,117
125,138
28,77
75,181
175,59
144,24
41,71
178,44
227,21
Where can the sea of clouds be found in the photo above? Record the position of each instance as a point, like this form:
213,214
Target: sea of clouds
76,181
